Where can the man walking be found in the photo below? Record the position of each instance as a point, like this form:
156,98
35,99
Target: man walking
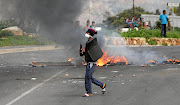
164,20
92,53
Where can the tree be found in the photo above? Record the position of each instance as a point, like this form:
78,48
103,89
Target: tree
107,14
119,19
157,12
178,10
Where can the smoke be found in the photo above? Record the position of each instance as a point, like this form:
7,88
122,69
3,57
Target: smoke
53,18
138,56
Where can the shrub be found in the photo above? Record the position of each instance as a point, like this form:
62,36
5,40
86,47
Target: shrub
152,42
164,44
158,25
6,34
150,33
6,24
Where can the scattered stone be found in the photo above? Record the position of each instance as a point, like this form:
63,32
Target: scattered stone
79,76
120,75
64,82
115,71
74,82
143,66
33,78
134,75
81,81
66,75
102,77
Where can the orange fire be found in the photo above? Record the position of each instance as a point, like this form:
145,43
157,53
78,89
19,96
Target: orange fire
152,61
170,60
176,60
173,61
70,59
105,59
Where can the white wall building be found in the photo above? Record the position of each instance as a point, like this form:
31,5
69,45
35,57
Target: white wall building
175,21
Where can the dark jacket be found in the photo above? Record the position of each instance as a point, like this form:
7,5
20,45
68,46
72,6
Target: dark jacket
92,51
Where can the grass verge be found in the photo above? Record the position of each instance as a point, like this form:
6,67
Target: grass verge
24,41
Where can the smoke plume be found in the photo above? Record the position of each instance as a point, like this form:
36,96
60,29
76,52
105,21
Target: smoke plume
53,18
137,57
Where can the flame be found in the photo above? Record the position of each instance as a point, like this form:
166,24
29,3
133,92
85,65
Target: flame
173,61
70,59
105,59
152,61
170,60
176,60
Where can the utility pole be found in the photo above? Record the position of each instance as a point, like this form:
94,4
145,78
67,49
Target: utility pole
133,9
90,9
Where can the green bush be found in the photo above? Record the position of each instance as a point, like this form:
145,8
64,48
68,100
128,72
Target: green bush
150,33
152,42
164,44
158,24
6,24
5,34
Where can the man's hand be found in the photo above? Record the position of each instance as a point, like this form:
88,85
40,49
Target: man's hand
81,52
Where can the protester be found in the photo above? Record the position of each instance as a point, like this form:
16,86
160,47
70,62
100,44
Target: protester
92,53
87,25
77,26
164,20
93,25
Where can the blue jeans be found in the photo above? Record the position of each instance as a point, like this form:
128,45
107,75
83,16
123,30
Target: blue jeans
163,29
89,79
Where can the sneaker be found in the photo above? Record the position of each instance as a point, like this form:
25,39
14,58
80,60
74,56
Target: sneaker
103,88
87,95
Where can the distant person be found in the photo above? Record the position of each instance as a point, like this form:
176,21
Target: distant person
87,25
78,31
93,25
164,20
77,25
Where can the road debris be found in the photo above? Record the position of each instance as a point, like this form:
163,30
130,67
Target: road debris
102,77
64,82
66,75
33,78
143,66
74,81
121,75
81,81
134,75
115,71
